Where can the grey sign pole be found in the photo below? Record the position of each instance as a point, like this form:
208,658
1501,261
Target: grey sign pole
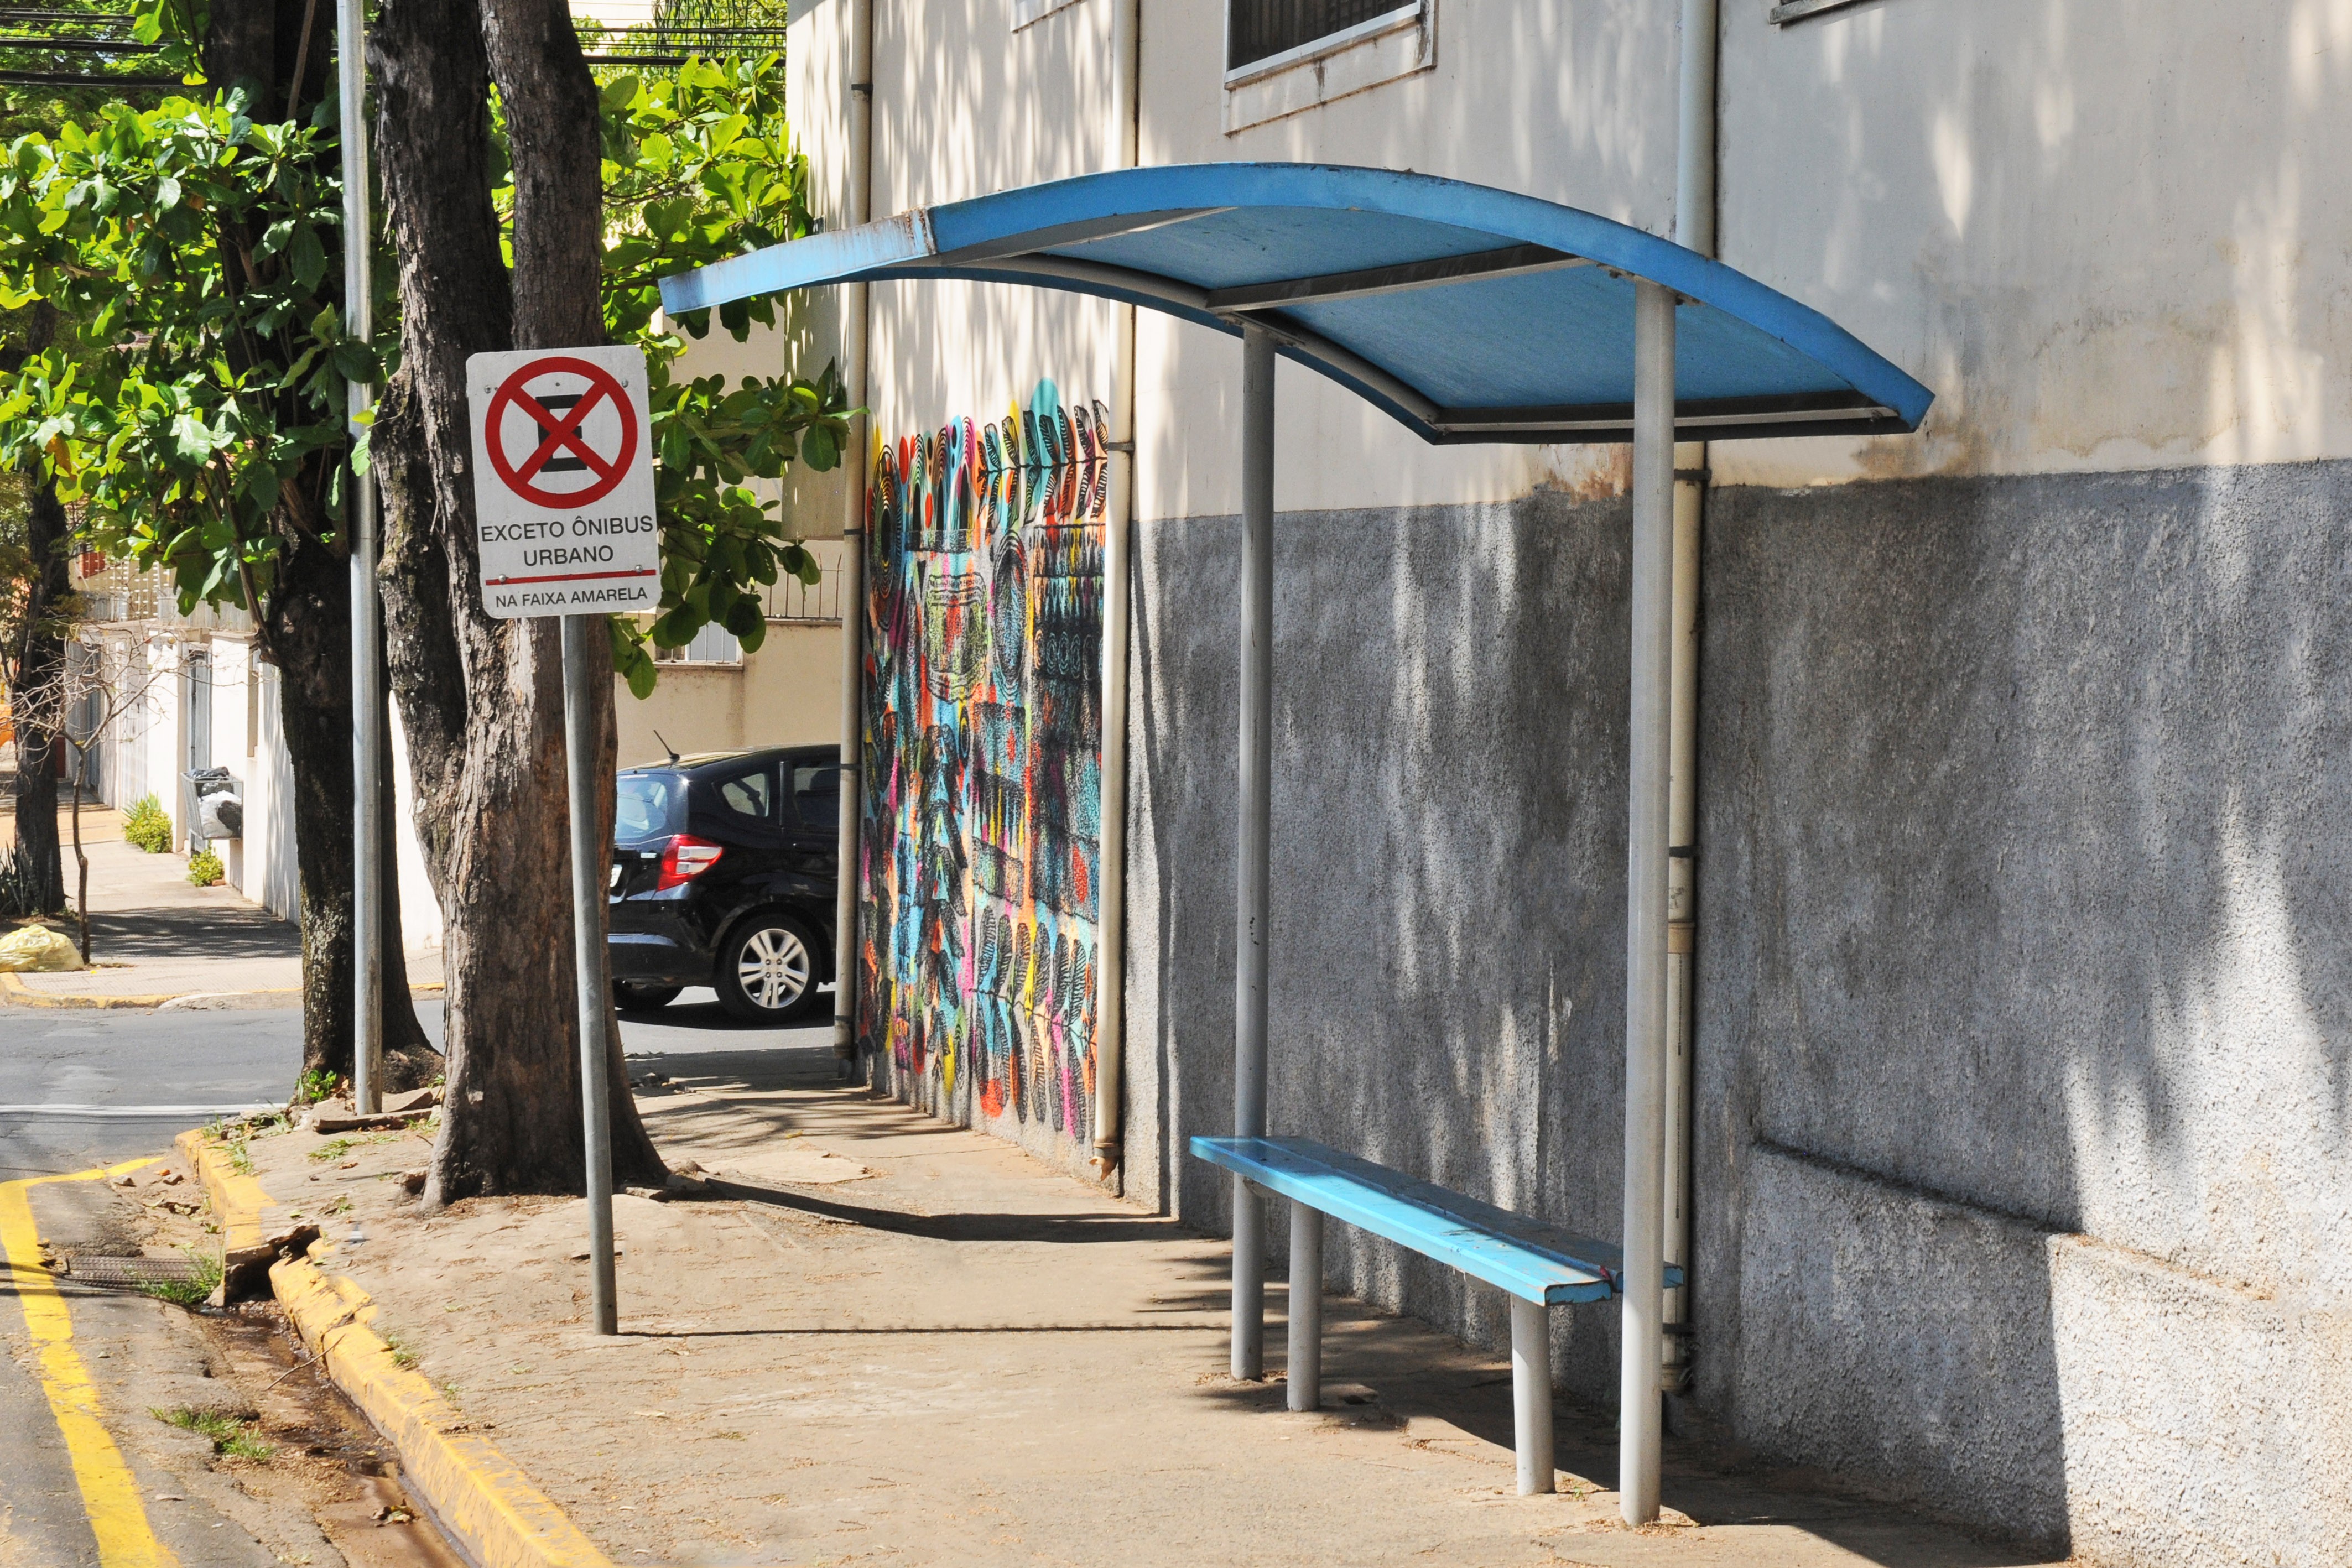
1250,886
581,757
1641,1417
367,670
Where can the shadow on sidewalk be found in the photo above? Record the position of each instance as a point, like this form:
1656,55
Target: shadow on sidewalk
226,931
1052,1227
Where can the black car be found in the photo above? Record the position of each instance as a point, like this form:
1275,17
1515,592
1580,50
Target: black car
723,876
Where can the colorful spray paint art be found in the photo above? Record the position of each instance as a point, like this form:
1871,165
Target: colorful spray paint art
982,767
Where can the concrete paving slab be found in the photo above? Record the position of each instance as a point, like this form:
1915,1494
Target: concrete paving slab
966,1356
158,939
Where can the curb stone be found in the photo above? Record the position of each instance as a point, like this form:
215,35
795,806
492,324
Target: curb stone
477,1495
13,990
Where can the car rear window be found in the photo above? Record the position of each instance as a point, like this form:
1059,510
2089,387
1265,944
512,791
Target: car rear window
650,806
816,795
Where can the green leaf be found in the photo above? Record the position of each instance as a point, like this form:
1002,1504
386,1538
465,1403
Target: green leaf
310,258
820,448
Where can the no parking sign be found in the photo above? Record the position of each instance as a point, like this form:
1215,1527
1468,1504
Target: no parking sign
563,482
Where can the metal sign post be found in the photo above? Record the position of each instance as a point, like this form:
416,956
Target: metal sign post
564,501
367,669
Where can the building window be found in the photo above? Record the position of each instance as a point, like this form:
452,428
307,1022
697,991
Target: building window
714,644
1261,32
1285,56
1789,11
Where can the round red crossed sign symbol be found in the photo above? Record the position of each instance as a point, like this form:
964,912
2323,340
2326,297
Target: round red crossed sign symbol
560,432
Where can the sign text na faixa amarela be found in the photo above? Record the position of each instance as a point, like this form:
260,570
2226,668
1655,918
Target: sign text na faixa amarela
563,482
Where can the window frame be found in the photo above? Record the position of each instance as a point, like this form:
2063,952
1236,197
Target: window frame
1407,14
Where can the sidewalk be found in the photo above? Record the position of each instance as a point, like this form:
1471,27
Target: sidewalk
890,1340
158,940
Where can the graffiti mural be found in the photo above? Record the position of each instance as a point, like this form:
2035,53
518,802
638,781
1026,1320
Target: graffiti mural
982,767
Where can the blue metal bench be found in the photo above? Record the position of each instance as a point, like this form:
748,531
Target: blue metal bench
1537,1266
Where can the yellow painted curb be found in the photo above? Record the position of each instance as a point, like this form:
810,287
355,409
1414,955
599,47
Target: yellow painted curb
12,986
237,1199
13,990
476,1493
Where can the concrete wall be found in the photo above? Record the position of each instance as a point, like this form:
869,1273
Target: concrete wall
1448,870
2023,1089
2025,1055
2024,1092
788,692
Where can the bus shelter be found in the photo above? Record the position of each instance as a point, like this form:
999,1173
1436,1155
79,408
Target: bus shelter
1468,314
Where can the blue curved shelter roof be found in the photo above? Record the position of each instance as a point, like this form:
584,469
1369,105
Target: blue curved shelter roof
1468,313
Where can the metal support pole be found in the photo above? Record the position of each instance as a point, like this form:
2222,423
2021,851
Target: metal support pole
367,668
1305,1390
1531,1393
855,344
1257,810
1640,1417
853,789
596,989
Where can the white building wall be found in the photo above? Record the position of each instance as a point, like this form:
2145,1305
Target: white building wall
2110,238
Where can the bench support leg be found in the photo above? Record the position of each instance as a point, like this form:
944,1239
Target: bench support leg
1306,1308
1249,1284
1531,1393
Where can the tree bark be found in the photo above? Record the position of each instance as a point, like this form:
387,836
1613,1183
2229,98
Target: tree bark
309,628
39,690
482,700
306,625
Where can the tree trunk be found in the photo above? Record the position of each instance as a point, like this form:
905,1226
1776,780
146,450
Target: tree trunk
309,632
39,695
261,46
482,700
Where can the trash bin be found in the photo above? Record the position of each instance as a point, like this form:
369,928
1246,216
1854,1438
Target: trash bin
219,806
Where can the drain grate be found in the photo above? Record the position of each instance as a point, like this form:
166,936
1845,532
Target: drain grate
128,1273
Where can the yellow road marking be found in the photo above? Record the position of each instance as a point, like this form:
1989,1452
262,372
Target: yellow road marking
109,1495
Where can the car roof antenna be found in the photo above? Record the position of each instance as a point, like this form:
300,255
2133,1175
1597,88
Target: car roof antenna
668,748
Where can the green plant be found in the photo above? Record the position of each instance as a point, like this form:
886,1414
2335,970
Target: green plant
699,165
230,1430
190,1293
334,1148
402,1355
20,884
319,1084
205,868
147,826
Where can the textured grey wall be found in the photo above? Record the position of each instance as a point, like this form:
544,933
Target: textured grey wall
1448,855
2025,960
2027,885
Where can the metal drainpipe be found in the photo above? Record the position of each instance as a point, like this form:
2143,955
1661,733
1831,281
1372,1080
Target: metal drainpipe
855,326
1693,228
1119,522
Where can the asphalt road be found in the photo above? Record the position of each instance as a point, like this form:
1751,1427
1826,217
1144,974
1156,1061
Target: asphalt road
85,1087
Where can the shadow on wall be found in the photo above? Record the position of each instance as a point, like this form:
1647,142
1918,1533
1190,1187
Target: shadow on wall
2093,257
2025,1013
2024,1083
1448,869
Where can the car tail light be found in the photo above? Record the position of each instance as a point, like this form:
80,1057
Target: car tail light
686,858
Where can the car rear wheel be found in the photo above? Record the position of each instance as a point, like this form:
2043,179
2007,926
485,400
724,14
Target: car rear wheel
639,996
767,970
